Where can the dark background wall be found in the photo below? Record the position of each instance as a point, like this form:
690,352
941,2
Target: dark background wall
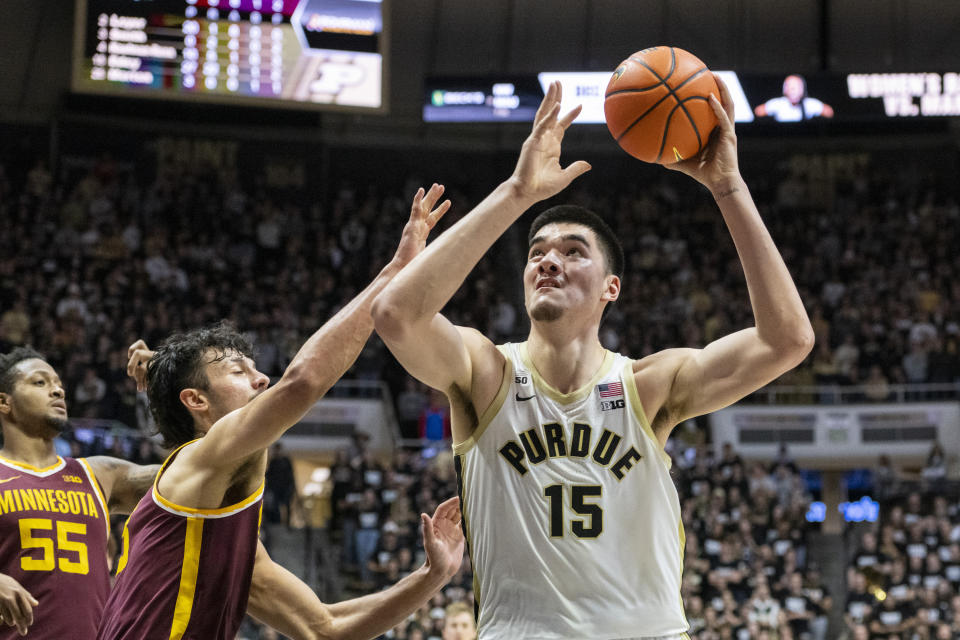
521,36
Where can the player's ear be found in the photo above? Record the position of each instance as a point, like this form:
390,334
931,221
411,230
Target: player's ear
612,290
5,407
194,399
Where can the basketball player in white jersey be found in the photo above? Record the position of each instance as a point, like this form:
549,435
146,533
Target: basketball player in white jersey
572,520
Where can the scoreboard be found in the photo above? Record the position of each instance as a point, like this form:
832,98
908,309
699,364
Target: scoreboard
279,53
783,100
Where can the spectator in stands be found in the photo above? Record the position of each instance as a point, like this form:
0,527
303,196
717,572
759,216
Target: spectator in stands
935,468
367,532
876,386
411,403
435,418
88,394
280,486
764,610
890,618
859,606
458,622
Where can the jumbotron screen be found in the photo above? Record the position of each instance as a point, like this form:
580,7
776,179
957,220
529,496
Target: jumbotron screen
786,99
280,53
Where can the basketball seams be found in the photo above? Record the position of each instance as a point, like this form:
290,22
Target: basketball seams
641,117
666,126
671,91
645,72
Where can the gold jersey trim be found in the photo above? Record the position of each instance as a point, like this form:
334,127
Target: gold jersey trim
630,381
191,512
188,578
491,412
555,394
35,471
96,488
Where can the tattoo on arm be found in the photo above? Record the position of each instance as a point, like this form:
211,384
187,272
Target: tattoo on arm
140,479
724,194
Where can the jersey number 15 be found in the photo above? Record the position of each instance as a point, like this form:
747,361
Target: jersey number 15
591,525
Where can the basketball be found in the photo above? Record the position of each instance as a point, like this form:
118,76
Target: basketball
657,105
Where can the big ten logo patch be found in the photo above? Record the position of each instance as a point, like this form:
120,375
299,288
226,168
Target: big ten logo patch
609,405
75,479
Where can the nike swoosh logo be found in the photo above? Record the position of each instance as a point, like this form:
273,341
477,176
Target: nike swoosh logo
519,398
8,479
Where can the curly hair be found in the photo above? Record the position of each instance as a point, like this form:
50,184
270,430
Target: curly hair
178,364
9,362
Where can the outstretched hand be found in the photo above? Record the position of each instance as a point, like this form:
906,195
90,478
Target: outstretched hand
538,174
443,539
138,355
717,163
423,217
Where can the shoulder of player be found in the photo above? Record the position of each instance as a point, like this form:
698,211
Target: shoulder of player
654,377
193,461
486,360
105,468
662,363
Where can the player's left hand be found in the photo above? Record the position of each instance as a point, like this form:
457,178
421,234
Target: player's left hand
138,355
424,215
443,539
716,165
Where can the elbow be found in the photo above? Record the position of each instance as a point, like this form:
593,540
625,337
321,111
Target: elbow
800,343
388,318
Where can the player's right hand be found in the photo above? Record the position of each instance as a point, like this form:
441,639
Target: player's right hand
16,605
138,355
538,174
424,215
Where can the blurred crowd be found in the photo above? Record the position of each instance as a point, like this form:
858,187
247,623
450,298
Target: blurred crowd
903,577
96,255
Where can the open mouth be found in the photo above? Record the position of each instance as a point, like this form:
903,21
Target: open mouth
547,283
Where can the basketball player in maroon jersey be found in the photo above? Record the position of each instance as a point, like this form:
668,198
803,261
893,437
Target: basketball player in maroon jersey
191,564
54,512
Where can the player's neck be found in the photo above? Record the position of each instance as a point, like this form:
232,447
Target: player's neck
565,364
31,450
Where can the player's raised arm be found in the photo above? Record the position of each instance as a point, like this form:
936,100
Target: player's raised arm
280,600
704,380
321,361
407,312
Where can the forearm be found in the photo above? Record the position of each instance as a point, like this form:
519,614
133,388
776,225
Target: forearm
422,289
373,615
333,348
780,316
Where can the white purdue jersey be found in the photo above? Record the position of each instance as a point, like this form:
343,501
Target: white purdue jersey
572,518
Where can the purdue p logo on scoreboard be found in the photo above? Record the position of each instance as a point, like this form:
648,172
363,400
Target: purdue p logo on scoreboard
609,405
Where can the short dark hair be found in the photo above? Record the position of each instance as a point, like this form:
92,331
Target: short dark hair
609,244
8,365
178,364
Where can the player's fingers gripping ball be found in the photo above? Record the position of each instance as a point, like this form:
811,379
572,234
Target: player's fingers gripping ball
657,105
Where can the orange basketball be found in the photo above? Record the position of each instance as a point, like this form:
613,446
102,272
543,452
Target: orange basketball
657,105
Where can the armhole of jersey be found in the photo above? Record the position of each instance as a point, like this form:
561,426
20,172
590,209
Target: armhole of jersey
494,408
92,477
631,383
181,510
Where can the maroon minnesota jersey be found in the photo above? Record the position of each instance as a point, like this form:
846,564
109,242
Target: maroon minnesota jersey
185,573
54,528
